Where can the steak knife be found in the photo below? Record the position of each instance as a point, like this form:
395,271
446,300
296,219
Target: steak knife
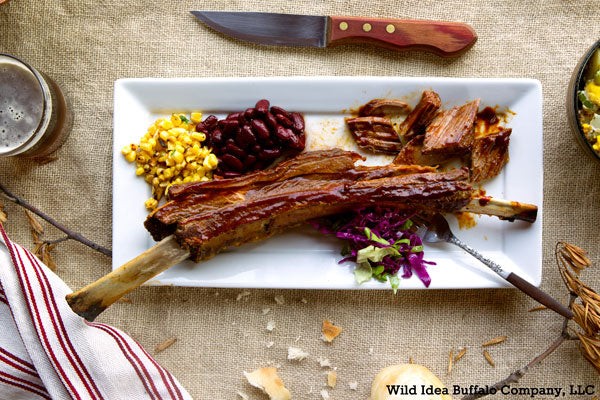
446,39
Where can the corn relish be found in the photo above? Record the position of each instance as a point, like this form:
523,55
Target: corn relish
171,152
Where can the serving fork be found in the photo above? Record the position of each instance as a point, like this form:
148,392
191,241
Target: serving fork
434,229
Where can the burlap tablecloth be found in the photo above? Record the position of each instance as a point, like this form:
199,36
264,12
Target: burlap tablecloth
86,45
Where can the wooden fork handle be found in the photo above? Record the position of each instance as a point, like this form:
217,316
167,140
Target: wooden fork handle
539,295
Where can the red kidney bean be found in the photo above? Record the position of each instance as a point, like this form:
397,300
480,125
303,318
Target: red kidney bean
250,160
228,126
261,130
250,140
283,120
250,113
216,136
234,115
271,121
201,127
284,134
236,151
279,111
269,154
268,143
245,138
298,121
295,143
262,106
302,141
208,124
232,162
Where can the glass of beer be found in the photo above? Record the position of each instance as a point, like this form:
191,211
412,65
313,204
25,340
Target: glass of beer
34,118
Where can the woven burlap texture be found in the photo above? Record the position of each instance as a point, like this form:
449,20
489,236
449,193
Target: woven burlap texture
86,45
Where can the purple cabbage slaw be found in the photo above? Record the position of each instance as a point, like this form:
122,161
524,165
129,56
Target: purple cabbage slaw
380,232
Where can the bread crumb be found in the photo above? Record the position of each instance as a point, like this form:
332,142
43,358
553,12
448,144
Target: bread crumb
270,326
325,394
266,310
164,345
243,396
296,354
353,385
371,350
331,379
303,300
268,381
270,344
324,362
279,300
330,331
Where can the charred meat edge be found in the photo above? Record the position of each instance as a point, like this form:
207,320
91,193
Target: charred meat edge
383,107
292,203
324,161
161,223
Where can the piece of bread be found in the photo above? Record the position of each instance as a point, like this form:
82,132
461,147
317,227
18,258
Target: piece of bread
410,381
267,380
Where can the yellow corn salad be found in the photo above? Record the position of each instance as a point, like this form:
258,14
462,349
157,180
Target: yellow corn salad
171,152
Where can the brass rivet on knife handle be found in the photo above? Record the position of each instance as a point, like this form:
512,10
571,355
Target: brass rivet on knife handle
343,26
447,39
91,300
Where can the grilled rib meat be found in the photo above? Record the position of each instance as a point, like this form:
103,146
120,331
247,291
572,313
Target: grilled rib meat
420,116
489,155
375,134
412,153
451,131
196,198
309,162
283,205
383,107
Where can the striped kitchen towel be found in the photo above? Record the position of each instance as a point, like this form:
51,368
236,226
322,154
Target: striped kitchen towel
49,352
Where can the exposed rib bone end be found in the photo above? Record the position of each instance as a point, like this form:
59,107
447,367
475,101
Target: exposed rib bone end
94,298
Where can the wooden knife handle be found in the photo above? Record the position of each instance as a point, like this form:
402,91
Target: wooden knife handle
446,39
539,295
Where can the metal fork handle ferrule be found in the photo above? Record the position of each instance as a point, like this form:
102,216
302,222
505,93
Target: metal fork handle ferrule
489,263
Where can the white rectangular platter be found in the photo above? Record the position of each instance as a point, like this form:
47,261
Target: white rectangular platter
306,259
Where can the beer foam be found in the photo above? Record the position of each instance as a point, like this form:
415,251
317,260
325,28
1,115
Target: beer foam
21,104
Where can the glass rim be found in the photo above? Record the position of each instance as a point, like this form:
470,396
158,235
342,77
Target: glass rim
35,136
